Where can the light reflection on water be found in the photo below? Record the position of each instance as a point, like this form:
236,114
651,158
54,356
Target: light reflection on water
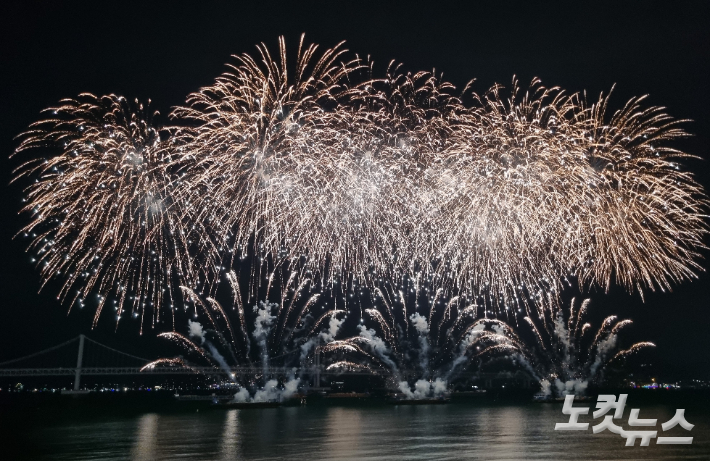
229,446
442,432
146,434
344,432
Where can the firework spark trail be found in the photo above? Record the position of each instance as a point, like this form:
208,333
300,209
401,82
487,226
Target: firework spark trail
607,325
322,318
439,292
218,307
177,362
388,305
633,349
270,283
375,314
349,366
403,301
447,313
580,315
465,314
185,342
345,346
191,296
296,293
573,315
237,303
619,326
284,293
585,328
538,336
309,304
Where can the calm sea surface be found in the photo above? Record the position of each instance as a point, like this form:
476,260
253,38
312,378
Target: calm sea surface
463,430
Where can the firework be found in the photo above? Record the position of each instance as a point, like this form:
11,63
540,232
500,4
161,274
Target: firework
561,349
412,334
542,186
283,325
499,198
102,214
260,130
417,333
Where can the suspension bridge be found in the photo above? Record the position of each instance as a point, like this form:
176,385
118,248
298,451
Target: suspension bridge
83,356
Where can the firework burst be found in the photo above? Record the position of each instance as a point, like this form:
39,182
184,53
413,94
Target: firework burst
102,212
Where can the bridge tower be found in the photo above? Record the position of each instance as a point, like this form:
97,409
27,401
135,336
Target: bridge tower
79,359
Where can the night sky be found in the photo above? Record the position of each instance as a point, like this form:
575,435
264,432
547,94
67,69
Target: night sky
165,50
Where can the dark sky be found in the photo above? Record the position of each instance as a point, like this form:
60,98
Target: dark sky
164,50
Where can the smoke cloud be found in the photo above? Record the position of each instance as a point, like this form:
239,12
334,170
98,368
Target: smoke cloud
270,392
378,346
423,389
196,331
262,326
214,353
420,324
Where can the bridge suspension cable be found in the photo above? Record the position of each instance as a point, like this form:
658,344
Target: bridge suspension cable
40,352
117,351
